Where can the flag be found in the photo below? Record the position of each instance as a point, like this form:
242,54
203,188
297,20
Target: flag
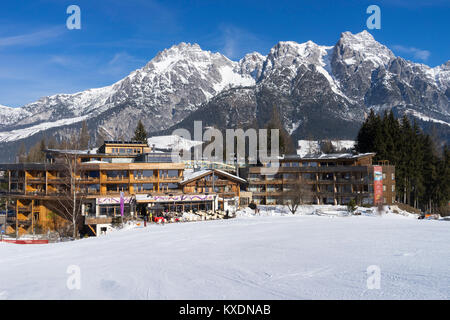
121,204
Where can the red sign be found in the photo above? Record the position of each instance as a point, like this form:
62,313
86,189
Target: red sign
377,185
27,241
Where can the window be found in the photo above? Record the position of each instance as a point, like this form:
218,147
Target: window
93,188
384,176
172,174
392,176
147,187
143,174
254,176
172,186
116,175
384,187
117,188
393,187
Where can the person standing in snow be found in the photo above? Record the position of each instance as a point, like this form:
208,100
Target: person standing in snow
145,219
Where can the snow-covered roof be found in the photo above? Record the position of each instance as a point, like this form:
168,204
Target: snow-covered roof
232,176
330,156
190,175
197,174
95,161
79,152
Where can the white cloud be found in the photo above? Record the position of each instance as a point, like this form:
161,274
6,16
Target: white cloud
234,42
418,54
33,38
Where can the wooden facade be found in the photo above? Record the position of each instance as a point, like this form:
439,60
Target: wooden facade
326,179
225,185
35,189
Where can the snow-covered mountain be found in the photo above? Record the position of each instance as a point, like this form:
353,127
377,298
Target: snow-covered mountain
311,85
326,91
170,86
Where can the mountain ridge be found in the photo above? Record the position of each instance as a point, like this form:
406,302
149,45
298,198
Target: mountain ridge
304,80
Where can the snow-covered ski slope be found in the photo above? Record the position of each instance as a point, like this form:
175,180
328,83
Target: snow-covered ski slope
267,257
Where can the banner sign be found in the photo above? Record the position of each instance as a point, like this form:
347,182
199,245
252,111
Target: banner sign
113,200
177,198
377,185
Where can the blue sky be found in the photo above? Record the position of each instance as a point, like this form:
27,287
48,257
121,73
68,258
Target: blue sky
39,56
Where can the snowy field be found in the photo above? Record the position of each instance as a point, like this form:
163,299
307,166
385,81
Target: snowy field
264,257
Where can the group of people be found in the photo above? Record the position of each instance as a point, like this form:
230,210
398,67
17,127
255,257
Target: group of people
148,216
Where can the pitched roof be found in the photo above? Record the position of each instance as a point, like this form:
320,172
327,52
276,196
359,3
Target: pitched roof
200,174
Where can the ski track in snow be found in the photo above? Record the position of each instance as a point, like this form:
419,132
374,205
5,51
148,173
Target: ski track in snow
267,257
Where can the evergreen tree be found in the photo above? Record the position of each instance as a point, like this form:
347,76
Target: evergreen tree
429,171
422,174
442,194
52,143
84,137
286,146
21,153
36,153
140,135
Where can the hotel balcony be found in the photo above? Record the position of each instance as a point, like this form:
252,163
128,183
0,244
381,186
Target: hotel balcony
88,180
152,179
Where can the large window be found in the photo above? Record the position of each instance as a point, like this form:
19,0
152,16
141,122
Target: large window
167,186
143,174
116,175
92,188
309,176
168,173
326,176
144,187
254,176
289,176
114,210
117,188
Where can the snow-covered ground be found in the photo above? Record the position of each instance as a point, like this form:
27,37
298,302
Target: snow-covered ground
271,256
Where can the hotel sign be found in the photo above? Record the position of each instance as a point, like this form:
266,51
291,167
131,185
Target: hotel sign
176,198
113,200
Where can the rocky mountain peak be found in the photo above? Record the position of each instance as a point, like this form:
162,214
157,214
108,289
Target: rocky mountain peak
362,47
252,64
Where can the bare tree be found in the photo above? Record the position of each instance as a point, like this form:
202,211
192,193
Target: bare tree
69,197
294,196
